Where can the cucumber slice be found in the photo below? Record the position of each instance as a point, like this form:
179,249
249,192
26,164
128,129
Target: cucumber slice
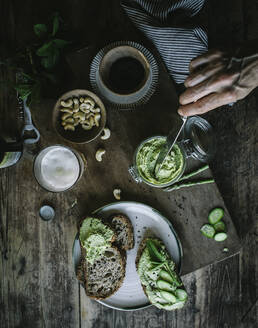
165,276
207,230
216,215
220,226
164,285
181,294
220,236
169,297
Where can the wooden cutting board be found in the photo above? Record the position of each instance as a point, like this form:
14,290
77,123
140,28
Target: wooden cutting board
187,209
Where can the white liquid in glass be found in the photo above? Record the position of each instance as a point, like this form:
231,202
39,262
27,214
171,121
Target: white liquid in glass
60,168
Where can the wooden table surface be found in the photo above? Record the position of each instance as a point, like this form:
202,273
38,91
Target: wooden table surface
37,285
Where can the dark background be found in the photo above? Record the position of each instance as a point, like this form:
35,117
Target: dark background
224,294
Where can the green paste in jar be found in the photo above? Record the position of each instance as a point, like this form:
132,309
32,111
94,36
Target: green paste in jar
146,158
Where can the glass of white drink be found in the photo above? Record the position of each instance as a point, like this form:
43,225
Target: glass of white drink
57,168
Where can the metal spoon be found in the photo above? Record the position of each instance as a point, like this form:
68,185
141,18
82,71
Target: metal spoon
166,148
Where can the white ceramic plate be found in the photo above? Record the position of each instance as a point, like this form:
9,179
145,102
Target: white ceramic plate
130,295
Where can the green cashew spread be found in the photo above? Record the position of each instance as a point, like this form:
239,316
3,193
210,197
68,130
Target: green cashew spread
95,237
162,284
146,158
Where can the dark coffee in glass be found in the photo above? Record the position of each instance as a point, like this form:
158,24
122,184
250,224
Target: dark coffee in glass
126,75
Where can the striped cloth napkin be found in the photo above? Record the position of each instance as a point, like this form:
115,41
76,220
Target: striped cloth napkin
171,27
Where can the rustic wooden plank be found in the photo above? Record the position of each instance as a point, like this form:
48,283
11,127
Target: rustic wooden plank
233,172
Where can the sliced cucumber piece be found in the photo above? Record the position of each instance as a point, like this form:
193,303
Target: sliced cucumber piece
216,215
164,285
208,230
220,226
166,276
220,236
169,297
181,294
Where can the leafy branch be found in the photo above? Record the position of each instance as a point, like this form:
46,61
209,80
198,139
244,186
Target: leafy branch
35,63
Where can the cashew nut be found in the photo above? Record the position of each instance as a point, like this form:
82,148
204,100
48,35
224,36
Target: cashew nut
75,104
80,110
89,115
87,124
84,107
76,121
67,103
95,110
69,127
117,194
89,101
106,134
66,110
92,121
100,152
86,127
79,115
65,116
69,120
96,119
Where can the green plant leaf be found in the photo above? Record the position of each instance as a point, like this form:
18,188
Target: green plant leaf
27,76
24,90
56,23
61,43
50,61
40,29
46,49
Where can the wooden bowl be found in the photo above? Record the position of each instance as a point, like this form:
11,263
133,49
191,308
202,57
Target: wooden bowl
79,135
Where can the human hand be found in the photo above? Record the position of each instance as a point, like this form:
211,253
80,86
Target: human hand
216,80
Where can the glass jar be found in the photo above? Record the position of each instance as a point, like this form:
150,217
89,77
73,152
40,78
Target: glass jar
58,168
197,142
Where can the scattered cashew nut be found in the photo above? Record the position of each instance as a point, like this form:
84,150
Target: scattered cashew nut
67,103
100,152
117,194
106,134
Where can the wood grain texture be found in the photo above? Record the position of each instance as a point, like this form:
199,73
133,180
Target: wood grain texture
34,292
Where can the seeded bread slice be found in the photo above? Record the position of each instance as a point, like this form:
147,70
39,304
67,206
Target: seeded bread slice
102,278
124,231
105,276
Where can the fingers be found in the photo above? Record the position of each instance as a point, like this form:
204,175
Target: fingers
204,59
207,103
205,73
215,84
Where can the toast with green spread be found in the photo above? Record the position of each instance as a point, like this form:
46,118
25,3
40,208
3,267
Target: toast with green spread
102,266
158,275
